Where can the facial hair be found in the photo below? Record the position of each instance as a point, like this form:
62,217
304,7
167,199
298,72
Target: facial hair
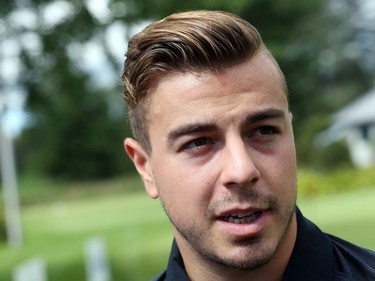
194,233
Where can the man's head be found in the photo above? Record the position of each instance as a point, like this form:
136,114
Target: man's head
209,99
197,41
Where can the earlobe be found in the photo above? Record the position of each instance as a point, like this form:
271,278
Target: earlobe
141,162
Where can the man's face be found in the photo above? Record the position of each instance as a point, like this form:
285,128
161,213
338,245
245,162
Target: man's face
223,162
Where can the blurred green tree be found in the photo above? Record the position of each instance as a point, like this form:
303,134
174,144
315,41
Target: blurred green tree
73,131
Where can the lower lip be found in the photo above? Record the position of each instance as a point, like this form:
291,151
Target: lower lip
245,229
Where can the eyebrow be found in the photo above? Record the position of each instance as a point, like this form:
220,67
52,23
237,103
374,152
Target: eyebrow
251,118
189,129
258,116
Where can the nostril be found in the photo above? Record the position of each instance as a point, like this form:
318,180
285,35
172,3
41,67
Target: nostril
254,180
251,181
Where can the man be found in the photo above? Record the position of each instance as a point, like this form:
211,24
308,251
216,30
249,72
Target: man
208,107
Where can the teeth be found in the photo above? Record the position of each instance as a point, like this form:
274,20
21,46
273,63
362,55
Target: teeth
242,218
241,215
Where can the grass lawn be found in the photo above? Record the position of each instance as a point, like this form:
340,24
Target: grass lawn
349,215
138,236
133,226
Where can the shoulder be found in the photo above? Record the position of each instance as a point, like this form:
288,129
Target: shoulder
321,256
352,260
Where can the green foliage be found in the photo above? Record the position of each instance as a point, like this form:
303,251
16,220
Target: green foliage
79,142
313,183
73,130
331,157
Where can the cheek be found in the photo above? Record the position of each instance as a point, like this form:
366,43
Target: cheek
280,167
183,186
288,174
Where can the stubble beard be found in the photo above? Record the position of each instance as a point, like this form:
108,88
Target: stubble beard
253,254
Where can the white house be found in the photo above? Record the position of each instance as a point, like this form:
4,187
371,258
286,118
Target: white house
356,124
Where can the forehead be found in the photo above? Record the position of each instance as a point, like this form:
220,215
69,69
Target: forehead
252,85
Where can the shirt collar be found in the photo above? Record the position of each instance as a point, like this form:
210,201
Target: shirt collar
312,257
176,268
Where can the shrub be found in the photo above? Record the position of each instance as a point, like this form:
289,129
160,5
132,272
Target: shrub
313,183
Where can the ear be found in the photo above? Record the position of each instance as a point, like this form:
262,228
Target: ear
290,116
142,163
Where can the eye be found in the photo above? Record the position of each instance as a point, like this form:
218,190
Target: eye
198,143
265,131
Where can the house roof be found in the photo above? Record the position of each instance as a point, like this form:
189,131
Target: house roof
360,112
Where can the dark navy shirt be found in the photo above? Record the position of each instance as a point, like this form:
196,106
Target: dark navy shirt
316,256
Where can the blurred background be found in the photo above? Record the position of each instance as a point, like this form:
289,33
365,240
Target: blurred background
71,204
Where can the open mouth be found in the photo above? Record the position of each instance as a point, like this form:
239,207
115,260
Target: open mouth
242,218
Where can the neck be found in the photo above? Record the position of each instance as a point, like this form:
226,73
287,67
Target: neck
198,268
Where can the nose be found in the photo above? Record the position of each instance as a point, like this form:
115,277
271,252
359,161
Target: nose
238,167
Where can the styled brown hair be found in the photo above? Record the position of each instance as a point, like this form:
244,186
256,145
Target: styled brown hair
193,41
